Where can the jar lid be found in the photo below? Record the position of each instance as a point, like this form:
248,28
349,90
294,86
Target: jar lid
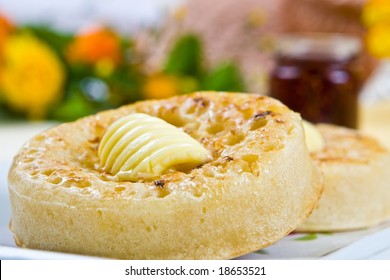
329,45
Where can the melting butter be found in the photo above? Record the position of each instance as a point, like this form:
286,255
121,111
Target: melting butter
140,146
313,138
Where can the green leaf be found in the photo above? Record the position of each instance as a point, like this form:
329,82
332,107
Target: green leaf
74,107
307,237
185,57
57,40
79,71
125,86
6,114
188,84
225,77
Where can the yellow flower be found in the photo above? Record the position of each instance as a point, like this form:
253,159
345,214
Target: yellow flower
160,86
32,75
376,16
376,11
378,40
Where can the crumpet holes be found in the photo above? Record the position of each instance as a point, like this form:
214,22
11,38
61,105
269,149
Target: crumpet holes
28,159
215,128
258,123
78,182
39,138
190,109
99,213
235,138
55,180
163,192
119,189
196,105
247,113
33,171
259,120
250,158
48,172
32,152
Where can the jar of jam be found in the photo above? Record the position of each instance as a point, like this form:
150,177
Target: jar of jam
318,76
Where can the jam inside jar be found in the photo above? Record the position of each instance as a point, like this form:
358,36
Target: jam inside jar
318,76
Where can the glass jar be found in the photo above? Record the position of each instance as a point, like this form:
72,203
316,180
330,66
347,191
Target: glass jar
318,76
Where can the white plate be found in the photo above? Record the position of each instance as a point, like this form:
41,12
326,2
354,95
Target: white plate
372,243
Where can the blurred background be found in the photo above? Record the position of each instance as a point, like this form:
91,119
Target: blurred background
60,61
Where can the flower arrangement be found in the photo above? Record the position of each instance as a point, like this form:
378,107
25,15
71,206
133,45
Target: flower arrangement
47,74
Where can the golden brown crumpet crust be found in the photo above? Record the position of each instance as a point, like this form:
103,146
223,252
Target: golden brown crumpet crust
260,185
356,175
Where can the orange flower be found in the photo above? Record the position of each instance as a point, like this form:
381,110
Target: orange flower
94,47
5,30
160,86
